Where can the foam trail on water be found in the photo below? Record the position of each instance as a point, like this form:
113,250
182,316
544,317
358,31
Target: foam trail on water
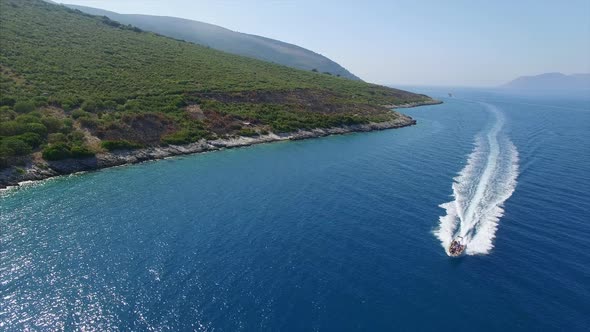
480,190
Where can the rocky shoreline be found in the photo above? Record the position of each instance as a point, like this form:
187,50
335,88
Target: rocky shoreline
40,170
416,104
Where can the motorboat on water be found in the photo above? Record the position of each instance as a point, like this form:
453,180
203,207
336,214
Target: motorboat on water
456,248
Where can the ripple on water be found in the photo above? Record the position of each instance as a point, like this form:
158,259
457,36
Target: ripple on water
324,234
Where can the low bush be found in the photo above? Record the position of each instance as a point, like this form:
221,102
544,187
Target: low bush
57,138
32,139
247,132
11,128
7,101
28,118
36,128
6,114
92,105
119,145
90,123
24,107
14,146
63,150
76,137
53,125
80,151
186,136
57,151
77,114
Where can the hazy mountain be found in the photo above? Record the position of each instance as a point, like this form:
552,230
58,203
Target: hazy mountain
550,81
227,40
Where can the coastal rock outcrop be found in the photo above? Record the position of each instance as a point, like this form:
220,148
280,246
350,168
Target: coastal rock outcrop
35,170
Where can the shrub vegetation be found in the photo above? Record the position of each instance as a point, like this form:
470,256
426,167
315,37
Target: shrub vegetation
61,69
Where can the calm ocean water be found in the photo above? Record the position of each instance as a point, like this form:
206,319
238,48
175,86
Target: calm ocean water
333,234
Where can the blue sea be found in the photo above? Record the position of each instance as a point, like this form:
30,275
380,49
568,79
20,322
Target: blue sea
343,233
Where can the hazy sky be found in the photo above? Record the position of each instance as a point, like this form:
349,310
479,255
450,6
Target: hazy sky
463,42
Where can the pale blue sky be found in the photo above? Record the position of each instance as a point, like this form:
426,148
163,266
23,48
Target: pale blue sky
463,42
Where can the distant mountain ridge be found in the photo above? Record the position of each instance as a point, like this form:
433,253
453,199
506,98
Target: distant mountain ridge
550,81
226,40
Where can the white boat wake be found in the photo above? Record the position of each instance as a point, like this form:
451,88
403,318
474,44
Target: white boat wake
480,190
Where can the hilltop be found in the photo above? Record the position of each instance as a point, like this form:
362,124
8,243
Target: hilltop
226,40
77,87
550,81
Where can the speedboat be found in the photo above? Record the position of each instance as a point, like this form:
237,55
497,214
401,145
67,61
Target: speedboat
457,247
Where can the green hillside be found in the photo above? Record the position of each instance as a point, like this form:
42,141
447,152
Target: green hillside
227,40
73,84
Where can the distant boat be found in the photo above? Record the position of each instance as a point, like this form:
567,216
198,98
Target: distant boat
450,95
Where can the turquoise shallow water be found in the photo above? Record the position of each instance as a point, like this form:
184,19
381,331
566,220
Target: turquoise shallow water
327,234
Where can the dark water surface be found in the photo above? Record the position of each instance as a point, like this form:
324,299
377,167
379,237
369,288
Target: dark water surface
330,234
